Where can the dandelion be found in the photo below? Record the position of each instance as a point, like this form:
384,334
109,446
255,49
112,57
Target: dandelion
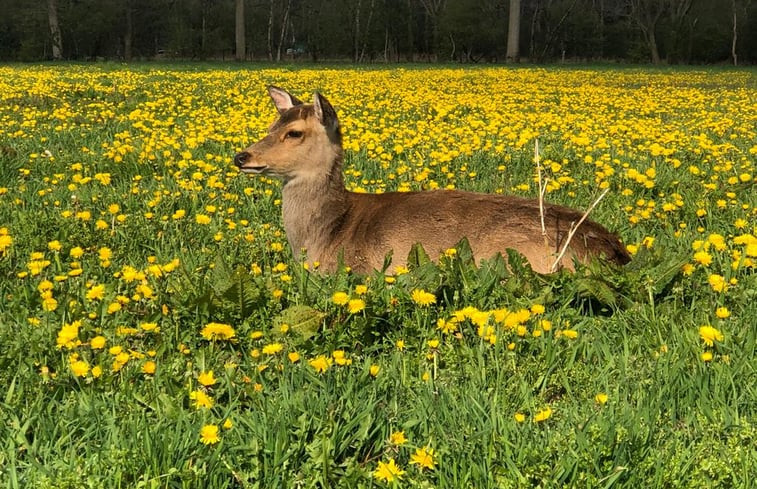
206,378
710,335
97,343
354,306
149,367
97,292
706,356
321,363
423,458
388,471
722,312
717,282
149,327
397,438
569,333
519,417
374,370
423,298
543,415
273,348
293,357
601,398
6,240
340,298
202,219
217,332
703,258
209,434
227,424
79,368
201,399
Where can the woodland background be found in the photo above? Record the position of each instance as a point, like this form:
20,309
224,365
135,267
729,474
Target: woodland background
365,31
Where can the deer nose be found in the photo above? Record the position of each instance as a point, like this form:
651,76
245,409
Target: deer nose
241,158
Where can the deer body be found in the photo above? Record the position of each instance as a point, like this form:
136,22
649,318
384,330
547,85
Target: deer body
321,217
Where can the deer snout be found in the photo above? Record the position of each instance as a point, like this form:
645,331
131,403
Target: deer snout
241,158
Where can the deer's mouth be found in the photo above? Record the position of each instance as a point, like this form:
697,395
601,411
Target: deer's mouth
254,169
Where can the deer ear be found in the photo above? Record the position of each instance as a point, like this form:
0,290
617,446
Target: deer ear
282,99
325,112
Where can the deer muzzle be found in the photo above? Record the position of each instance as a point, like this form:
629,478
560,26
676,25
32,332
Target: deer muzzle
245,162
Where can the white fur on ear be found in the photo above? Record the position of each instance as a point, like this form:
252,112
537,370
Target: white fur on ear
282,99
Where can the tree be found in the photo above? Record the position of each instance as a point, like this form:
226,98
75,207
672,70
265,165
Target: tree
56,38
646,15
239,31
513,32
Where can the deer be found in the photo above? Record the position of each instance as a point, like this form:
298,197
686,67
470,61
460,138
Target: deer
333,226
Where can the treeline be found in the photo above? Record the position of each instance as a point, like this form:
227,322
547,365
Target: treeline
468,31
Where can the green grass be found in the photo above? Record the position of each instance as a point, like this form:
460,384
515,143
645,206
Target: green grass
671,419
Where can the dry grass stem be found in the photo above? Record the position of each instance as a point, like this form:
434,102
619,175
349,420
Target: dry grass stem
574,228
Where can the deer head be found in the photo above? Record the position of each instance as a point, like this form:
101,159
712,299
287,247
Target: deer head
304,143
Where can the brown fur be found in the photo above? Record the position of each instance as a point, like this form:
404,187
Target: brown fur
325,220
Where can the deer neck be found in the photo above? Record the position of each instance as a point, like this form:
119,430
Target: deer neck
312,208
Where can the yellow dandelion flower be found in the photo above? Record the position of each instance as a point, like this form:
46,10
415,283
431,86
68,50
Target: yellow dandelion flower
388,471
201,399
97,343
423,458
149,367
717,282
273,348
340,298
321,363
397,438
293,357
206,378
217,332
519,417
423,298
543,415
354,306
374,370
209,434
601,398
79,368
703,258
709,335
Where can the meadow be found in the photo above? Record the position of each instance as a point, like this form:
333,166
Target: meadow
156,331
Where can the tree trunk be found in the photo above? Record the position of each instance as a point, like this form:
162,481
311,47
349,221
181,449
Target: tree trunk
356,33
129,34
270,31
283,31
240,43
57,39
652,40
513,33
367,31
735,36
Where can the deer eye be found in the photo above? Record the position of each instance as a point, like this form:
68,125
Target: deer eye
294,134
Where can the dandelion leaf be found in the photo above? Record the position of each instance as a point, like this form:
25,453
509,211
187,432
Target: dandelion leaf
302,319
244,293
417,257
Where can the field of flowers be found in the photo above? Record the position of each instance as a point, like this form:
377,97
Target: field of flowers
156,331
